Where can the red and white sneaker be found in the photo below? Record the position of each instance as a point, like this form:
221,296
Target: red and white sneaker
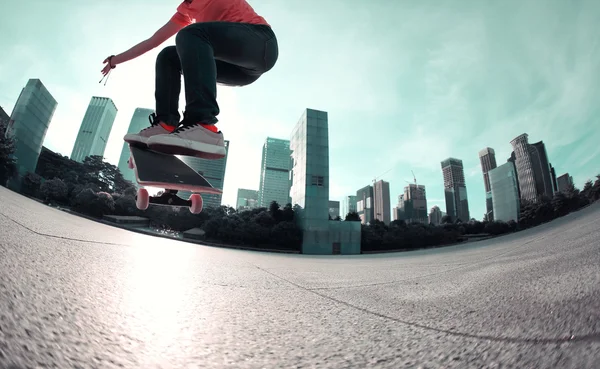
199,140
141,138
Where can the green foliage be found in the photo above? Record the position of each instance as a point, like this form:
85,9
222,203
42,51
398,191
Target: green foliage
352,217
54,191
30,184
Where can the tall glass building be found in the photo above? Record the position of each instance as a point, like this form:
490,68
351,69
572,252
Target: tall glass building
310,189
505,192
364,204
246,199
275,173
30,118
214,172
455,190
381,205
139,121
349,205
95,129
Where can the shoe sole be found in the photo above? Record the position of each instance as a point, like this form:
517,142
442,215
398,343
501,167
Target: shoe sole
200,150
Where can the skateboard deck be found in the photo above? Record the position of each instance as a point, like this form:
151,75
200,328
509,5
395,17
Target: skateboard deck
166,171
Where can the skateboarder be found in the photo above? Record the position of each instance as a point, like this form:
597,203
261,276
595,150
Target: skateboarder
222,41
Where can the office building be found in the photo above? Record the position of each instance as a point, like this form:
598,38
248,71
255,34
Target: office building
95,129
28,125
381,194
139,120
349,205
4,117
246,199
455,190
334,209
564,182
505,192
412,206
534,171
309,147
435,216
214,172
364,204
487,158
275,165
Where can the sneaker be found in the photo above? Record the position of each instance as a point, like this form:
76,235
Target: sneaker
190,140
141,138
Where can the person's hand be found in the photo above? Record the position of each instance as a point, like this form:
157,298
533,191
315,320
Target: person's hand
110,64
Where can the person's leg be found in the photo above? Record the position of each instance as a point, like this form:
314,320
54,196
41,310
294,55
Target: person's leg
167,89
234,54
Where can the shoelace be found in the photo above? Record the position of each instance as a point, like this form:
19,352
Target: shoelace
153,121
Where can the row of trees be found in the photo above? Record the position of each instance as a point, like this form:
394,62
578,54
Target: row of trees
97,188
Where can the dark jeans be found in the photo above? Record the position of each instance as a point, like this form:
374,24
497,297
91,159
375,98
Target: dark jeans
234,54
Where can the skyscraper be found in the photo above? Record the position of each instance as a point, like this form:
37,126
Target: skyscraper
455,190
309,147
95,129
505,192
435,216
487,157
246,199
30,118
349,205
3,117
214,172
275,173
533,169
564,182
364,204
139,120
413,204
381,194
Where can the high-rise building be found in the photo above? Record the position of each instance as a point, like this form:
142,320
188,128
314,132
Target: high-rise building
505,192
381,194
534,170
564,182
95,129
455,190
554,180
412,205
275,173
246,199
364,204
487,157
334,209
4,117
435,216
139,120
214,172
309,147
28,125
398,211
349,205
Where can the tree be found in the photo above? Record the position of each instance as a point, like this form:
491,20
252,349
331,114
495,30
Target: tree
30,184
352,217
54,190
446,219
8,164
105,175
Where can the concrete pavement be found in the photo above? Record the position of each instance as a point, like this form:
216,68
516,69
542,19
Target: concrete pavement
78,294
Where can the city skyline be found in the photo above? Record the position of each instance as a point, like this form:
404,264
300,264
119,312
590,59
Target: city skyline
433,89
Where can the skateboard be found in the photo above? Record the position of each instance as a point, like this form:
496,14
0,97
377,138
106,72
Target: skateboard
156,169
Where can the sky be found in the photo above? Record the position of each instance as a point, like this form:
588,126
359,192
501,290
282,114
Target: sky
406,84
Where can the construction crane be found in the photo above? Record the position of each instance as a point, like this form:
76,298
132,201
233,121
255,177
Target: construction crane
379,176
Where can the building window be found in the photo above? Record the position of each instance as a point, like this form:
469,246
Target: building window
317,181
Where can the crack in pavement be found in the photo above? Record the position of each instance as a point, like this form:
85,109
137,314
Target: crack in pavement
592,337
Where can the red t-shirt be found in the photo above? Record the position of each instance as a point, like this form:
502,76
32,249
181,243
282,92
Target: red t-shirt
198,11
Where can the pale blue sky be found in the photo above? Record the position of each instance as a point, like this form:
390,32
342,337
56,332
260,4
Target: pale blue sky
406,83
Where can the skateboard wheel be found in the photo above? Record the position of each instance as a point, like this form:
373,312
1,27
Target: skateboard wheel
142,199
130,163
196,206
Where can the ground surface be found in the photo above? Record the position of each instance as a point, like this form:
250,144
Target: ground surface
76,293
